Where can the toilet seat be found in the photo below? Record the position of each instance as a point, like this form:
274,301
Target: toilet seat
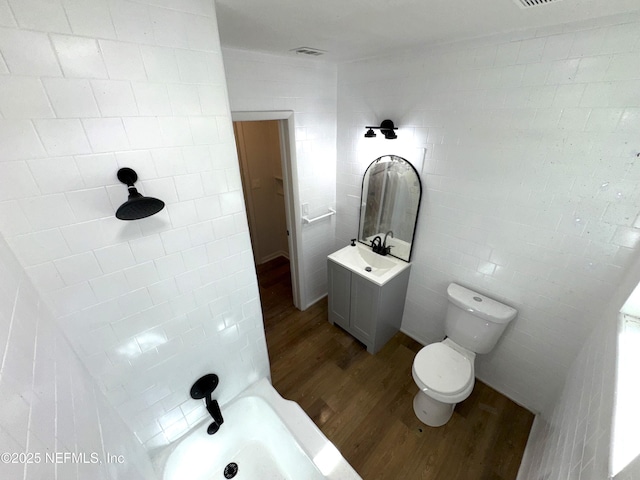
443,373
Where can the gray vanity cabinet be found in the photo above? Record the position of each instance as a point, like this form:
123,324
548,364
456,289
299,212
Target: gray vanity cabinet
370,312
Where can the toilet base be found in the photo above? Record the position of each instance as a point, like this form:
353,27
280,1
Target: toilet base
432,412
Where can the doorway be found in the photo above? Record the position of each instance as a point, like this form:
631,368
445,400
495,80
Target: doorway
259,154
266,158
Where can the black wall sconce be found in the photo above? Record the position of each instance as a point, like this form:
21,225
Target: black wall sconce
137,206
386,128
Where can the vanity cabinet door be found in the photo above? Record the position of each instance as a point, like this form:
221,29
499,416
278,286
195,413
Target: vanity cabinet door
364,309
368,311
339,295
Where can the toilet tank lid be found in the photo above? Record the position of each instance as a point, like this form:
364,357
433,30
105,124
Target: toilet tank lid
480,305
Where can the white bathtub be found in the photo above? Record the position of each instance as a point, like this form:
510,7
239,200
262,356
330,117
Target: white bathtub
268,438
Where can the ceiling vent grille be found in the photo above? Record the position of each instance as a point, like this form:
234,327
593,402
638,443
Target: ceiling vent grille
533,3
314,52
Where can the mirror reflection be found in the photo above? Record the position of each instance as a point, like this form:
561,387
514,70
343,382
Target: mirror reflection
391,193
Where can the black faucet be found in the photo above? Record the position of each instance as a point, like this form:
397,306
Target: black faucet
376,244
214,410
203,388
386,249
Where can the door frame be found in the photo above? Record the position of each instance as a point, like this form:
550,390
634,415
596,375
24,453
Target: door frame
286,128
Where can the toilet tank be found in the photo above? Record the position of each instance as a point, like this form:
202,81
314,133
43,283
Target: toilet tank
475,321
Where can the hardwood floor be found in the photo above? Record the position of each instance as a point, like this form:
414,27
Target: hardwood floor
363,402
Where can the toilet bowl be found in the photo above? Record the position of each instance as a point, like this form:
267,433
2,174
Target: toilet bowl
444,371
445,375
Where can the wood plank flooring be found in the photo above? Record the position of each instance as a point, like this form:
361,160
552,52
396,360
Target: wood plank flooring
363,402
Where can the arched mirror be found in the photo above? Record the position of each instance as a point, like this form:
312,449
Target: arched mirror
391,193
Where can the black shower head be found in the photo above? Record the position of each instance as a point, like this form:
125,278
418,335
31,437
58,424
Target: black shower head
137,206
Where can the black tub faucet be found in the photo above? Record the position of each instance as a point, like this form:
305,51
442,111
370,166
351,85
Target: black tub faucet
203,388
214,410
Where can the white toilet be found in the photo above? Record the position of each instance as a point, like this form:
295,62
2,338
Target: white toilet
444,371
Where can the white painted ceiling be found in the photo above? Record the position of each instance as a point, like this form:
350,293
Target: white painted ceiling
353,29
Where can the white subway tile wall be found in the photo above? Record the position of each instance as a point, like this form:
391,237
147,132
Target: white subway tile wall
52,408
528,149
150,305
259,82
572,437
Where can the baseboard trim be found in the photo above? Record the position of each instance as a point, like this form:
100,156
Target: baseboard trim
313,302
273,256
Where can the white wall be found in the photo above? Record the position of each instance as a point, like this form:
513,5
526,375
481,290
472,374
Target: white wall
530,181
50,404
86,88
261,82
572,436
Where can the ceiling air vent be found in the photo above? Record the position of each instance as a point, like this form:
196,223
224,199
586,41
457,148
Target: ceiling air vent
533,3
314,52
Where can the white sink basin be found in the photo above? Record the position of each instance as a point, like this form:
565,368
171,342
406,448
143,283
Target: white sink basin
361,260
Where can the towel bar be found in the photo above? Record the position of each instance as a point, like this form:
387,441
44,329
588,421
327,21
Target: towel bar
306,219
